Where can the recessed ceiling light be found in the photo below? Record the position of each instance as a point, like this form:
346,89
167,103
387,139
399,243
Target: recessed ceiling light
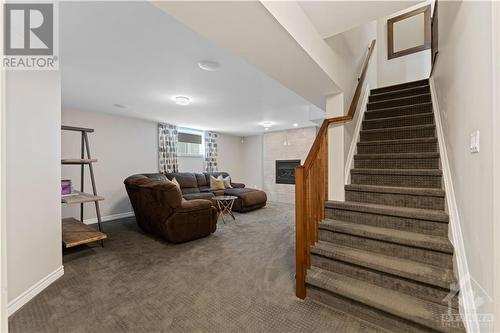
295,125
119,106
209,65
267,124
182,100
266,128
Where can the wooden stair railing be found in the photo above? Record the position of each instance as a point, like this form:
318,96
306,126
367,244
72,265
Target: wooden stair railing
311,188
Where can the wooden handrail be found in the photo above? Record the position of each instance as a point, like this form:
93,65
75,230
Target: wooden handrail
311,188
361,80
434,37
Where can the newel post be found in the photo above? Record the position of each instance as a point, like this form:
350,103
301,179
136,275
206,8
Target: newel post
300,233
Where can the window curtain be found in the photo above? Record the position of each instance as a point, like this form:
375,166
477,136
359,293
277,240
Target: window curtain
167,148
210,151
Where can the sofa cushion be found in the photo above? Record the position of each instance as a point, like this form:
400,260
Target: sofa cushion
217,183
187,181
202,180
193,196
156,176
248,196
215,175
205,189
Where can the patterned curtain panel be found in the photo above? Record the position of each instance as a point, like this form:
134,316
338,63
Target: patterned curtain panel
210,151
168,138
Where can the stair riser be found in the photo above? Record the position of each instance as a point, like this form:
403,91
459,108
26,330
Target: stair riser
421,147
399,102
409,287
397,112
393,222
399,94
389,249
395,163
395,199
427,119
397,180
364,312
414,133
399,87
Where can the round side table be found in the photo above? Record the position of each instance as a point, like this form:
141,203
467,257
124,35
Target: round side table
224,205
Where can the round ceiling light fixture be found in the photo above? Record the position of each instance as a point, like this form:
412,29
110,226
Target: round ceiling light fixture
267,124
209,65
182,100
295,125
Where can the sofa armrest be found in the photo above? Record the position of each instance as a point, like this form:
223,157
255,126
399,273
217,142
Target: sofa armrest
238,185
193,205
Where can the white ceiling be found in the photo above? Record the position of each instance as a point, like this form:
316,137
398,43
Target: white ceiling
134,54
333,17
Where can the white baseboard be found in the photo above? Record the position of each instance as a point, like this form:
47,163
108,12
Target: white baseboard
355,137
466,294
108,217
29,294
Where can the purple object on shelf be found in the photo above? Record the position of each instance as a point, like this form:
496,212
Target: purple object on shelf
65,186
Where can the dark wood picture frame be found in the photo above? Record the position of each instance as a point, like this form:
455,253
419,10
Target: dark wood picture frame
426,10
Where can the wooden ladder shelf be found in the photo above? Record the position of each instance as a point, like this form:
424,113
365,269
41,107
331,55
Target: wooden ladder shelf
75,232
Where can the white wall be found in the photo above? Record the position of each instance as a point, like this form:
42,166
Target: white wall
230,155
123,146
463,81
252,161
407,68
33,153
352,47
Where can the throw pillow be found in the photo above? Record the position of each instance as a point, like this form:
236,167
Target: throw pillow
227,182
176,183
217,183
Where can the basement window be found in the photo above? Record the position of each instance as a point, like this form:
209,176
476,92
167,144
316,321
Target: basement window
190,143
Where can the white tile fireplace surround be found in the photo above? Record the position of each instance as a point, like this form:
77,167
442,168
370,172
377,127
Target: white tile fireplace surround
284,145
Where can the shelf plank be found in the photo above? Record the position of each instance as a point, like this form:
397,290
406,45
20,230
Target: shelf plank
76,233
80,198
78,161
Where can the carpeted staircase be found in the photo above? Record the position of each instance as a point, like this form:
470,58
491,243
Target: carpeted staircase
383,255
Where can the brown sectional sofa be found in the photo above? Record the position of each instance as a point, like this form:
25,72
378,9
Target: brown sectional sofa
160,209
197,186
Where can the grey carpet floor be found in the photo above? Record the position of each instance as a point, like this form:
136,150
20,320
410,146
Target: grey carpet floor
240,279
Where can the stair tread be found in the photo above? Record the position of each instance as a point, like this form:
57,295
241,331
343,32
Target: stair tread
423,81
395,129
409,269
398,98
414,213
408,172
398,141
409,116
397,190
399,90
397,155
401,237
405,306
399,107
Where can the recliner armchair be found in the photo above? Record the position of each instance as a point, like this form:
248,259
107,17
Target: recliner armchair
160,209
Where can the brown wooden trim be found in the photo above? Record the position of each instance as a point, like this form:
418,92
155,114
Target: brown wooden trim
300,273
427,32
361,79
434,37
